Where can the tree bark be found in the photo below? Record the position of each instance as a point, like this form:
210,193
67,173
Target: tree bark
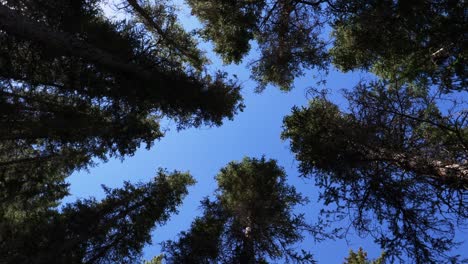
446,172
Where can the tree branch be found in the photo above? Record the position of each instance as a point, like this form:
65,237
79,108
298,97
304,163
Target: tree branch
151,23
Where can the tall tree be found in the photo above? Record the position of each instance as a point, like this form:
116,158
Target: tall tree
72,81
287,34
113,230
417,41
251,219
397,156
76,86
394,164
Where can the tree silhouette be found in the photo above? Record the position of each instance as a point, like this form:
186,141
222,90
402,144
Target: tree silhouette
417,41
112,230
76,87
394,161
394,164
251,219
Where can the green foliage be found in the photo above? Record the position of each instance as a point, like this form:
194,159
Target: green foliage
230,23
155,260
286,34
76,87
361,258
250,221
161,21
74,81
412,42
112,230
417,42
203,242
394,164
405,134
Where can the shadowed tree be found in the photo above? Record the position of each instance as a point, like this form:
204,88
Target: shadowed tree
287,34
250,220
415,41
75,83
113,230
394,165
396,161
76,87
419,42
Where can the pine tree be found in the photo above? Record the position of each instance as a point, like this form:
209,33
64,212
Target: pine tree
75,83
113,230
397,170
394,161
251,219
411,41
76,87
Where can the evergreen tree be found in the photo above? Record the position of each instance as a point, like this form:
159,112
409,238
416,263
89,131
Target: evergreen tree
76,86
287,34
75,83
251,219
394,164
418,42
395,161
411,41
113,230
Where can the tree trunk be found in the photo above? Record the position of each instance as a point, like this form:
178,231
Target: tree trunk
248,251
445,172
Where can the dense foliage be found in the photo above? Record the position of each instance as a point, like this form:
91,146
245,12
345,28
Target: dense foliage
251,219
412,41
113,230
393,158
286,32
73,80
415,42
394,164
76,86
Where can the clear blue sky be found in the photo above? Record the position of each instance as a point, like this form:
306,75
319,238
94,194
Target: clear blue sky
202,152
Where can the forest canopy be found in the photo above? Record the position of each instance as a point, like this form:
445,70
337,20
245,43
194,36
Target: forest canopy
78,87
394,161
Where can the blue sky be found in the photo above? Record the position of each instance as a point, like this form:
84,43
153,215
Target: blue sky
203,151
